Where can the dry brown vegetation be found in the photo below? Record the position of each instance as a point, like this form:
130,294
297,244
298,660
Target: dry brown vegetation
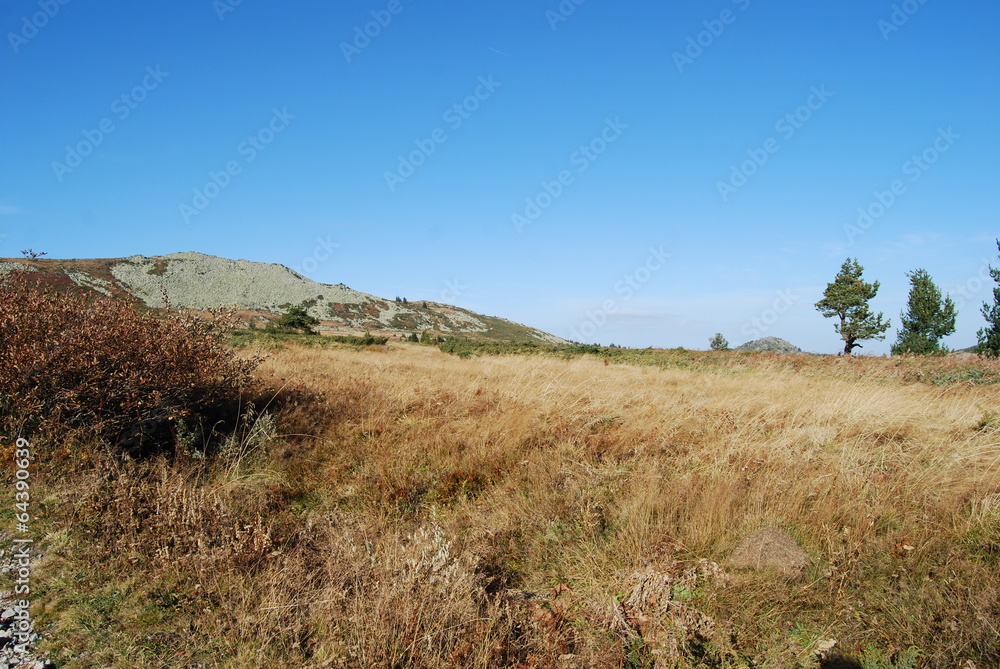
96,366
401,507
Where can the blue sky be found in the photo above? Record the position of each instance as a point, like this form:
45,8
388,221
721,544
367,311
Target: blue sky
641,173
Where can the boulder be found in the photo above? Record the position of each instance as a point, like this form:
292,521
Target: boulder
769,345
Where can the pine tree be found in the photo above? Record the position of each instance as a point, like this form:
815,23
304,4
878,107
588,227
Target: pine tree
718,342
298,318
927,318
847,298
989,337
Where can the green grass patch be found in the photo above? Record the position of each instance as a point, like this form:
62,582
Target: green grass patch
275,340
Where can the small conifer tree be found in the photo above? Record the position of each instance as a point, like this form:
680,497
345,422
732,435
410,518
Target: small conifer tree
298,318
927,318
989,336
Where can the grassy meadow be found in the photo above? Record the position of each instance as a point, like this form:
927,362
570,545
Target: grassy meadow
401,506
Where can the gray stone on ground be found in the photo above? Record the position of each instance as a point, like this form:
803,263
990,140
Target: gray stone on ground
10,655
770,548
769,345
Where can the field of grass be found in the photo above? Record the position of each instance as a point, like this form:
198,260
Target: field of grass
403,506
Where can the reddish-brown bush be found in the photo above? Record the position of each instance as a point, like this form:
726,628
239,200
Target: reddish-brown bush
69,360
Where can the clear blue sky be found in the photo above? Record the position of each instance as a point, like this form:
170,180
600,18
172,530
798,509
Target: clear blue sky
686,200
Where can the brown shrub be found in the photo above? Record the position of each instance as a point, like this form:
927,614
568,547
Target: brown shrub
74,362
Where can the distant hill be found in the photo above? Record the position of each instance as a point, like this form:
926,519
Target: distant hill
261,290
769,345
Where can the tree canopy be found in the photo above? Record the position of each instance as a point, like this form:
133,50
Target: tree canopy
847,298
298,318
718,342
927,318
989,337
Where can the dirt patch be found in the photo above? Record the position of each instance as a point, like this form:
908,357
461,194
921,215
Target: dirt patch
770,548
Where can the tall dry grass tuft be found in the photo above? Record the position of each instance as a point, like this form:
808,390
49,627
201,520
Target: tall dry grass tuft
414,509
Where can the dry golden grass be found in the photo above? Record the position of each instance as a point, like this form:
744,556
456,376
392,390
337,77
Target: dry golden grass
415,509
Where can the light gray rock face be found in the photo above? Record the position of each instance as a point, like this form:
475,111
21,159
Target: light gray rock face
198,281
87,281
769,345
8,267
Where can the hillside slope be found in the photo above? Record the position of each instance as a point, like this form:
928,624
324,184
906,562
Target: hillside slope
199,281
769,345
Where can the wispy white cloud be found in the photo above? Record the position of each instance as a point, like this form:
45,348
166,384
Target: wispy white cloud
629,315
890,247
835,249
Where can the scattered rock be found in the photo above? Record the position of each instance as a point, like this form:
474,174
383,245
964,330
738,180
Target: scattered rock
769,345
10,654
823,647
770,548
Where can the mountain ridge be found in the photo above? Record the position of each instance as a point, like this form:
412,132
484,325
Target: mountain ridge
197,281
